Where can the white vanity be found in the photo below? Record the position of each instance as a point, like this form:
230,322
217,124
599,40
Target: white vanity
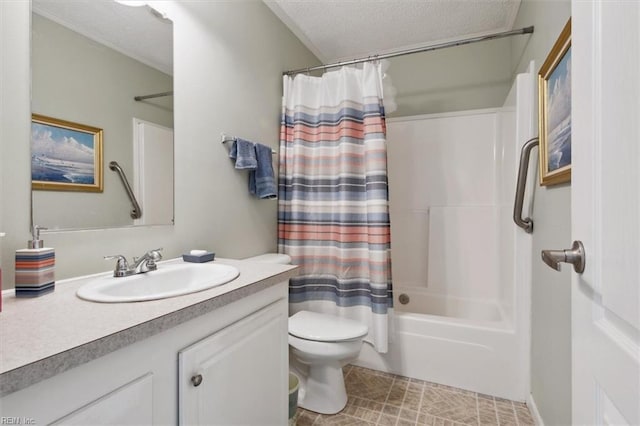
214,357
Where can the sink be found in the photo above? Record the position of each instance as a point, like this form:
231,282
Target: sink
169,280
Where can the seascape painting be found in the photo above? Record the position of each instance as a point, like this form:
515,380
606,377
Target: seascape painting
554,118
559,115
65,156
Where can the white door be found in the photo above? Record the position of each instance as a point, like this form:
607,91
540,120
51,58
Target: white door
605,211
153,172
237,376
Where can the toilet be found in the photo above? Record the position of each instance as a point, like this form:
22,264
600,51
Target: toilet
320,345
324,343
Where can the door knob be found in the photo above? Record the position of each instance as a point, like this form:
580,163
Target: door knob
574,256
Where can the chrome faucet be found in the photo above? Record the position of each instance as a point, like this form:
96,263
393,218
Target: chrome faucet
146,263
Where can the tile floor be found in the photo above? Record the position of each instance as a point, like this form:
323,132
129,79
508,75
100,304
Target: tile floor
377,398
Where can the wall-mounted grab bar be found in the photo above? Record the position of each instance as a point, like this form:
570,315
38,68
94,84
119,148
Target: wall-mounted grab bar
525,154
136,213
153,95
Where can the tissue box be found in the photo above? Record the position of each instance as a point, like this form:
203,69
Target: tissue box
199,258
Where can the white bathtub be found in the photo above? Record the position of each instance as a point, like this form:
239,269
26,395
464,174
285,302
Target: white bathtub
418,301
475,349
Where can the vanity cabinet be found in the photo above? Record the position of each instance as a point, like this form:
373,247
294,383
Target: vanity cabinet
240,350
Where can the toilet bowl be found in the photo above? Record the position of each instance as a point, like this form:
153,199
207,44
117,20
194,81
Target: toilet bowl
325,343
320,345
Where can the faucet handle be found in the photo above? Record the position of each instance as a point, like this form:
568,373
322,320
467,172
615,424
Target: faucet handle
122,266
156,252
155,255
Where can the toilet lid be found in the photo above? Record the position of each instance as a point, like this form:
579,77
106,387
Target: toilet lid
325,328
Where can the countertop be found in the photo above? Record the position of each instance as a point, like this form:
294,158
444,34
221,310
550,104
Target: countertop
47,335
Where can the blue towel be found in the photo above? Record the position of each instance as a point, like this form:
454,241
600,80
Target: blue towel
244,153
262,182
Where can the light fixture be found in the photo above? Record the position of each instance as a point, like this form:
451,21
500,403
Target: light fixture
151,5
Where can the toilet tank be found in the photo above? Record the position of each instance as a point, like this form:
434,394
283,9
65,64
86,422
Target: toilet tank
282,259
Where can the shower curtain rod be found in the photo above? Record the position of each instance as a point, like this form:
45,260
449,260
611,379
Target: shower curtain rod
526,30
155,95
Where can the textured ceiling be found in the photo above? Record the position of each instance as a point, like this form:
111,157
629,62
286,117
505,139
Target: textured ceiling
345,29
134,31
332,29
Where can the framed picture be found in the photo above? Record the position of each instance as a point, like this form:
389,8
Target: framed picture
65,156
554,91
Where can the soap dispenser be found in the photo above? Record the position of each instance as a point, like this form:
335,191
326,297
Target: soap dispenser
1,235
35,267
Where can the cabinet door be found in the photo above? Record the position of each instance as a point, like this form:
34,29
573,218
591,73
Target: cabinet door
238,376
130,404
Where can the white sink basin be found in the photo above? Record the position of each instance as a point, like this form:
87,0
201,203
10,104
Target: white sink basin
169,280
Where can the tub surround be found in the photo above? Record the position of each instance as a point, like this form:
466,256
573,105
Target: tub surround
46,336
470,322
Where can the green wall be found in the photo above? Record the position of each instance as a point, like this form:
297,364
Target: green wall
551,290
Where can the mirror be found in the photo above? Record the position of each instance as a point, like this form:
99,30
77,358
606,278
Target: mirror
90,59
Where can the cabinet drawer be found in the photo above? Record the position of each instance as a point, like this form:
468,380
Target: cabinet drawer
131,404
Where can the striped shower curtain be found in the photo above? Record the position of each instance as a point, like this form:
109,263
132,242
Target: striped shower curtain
333,211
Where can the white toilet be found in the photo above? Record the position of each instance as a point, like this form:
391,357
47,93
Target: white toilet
323,344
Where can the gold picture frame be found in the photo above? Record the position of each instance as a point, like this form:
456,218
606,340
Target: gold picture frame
65,156
554,114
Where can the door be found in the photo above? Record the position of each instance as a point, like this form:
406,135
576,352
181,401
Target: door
153,172
605,212
237,376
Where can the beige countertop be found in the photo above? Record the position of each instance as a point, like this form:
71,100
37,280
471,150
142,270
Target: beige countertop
44,336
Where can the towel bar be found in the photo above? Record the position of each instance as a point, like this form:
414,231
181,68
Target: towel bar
224,138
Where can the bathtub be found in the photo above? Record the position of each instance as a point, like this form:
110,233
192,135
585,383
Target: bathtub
419,301
462,343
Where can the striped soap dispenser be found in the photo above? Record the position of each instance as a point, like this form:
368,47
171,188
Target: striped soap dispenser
1,235
35,267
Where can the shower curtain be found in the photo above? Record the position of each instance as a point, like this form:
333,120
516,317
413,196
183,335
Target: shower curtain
333,210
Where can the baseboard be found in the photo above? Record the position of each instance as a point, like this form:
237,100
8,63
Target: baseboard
533,409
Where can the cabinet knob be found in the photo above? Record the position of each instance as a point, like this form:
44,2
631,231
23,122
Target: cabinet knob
196,380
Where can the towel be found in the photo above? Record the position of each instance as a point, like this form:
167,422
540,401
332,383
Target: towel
244,153
262,182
